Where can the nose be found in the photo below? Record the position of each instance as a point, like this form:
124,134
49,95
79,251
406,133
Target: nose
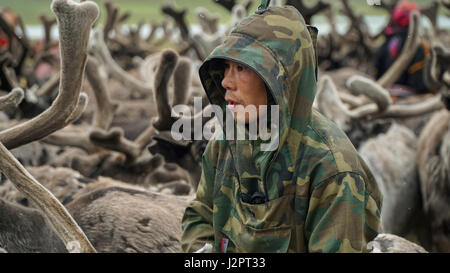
228,80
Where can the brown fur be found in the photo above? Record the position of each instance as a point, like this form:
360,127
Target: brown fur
116,216
123,219
389,243
62,182
25,230
434,167
391,158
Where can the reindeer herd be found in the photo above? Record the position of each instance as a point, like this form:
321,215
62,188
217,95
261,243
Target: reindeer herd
88,162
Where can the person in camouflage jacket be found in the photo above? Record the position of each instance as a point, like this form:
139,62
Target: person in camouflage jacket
314,192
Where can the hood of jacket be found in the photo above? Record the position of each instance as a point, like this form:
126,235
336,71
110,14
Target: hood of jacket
277,44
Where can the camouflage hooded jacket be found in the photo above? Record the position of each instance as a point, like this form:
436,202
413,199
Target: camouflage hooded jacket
318,194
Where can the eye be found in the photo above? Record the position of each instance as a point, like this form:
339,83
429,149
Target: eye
241,68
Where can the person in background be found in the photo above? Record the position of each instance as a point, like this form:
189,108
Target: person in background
412,80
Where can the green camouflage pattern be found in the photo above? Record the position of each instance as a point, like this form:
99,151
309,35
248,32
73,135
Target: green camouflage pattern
320,195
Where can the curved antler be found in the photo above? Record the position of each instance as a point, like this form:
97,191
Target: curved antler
13,98
101,51
408,51
55,213
330,104
105,107
365,86
74,22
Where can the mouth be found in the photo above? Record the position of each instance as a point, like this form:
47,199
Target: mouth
232,104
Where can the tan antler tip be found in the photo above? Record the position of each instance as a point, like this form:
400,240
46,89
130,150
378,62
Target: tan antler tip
79,108
89,8
368,87
12,99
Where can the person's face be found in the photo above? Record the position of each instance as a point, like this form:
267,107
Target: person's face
243,88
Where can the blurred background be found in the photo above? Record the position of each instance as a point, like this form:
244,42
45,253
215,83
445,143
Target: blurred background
150,11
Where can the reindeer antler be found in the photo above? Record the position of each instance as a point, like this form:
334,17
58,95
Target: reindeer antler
207,20
431,12
105,107
114,139
13,99
104,113
388,6
47,23
101,51
228,4
111,18
170,64
445,3
178,16
75,21
408,51
164,120
308,12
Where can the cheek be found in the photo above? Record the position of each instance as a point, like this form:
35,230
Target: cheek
253,89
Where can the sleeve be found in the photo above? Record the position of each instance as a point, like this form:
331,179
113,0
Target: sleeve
197,224
343,216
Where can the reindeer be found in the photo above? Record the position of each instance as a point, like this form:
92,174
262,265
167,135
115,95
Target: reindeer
432,161
434,153
123,45
75,21
119,218
13,48
392,154
134,165
355,48
116,217
103,207
349,119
